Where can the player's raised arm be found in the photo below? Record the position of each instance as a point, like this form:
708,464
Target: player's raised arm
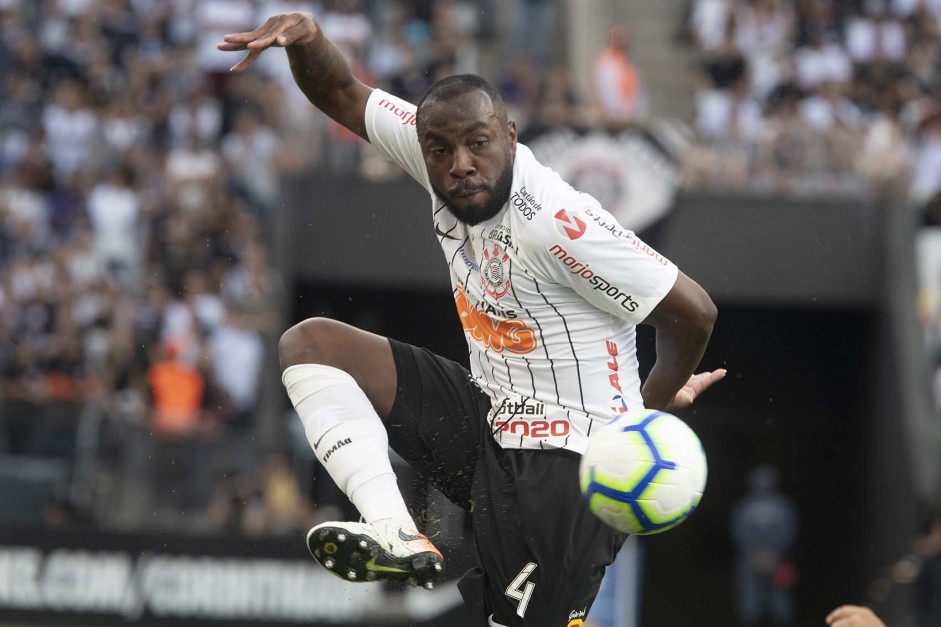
319,68
683,320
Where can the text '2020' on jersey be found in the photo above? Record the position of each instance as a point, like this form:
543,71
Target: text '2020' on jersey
548,291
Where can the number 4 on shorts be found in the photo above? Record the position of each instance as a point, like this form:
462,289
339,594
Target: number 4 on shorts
518,592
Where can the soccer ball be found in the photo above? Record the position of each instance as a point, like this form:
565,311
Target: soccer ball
644,473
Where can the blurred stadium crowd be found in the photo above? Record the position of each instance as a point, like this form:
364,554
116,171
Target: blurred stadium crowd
818,97
139,185
137,181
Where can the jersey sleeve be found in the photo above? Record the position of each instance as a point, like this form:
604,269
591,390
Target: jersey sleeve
584,248
390,125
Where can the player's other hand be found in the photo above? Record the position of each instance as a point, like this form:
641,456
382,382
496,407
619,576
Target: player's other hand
279,31
853,616
697,384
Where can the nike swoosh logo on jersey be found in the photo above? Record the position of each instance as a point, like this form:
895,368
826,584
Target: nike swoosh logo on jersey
408,537
442,233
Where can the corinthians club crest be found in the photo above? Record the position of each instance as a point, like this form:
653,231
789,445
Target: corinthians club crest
493,275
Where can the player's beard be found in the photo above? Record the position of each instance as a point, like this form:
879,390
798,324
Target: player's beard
498,194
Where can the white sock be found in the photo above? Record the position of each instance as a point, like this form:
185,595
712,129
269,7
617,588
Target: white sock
348,438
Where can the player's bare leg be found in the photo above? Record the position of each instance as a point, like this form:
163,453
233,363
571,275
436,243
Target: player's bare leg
341,380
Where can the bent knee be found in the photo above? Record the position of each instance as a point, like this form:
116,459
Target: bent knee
312,341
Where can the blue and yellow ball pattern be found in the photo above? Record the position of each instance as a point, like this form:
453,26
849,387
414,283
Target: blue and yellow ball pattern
644,473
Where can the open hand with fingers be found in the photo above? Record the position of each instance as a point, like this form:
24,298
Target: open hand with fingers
697,384
853,616
278,31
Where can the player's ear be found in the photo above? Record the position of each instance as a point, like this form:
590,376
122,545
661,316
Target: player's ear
511,130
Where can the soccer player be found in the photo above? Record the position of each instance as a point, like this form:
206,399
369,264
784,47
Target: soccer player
548,287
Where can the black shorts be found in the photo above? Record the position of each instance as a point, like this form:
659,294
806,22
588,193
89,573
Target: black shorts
542,553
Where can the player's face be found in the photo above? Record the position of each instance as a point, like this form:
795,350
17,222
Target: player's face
469,149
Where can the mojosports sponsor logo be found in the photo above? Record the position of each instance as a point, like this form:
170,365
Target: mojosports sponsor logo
525,203
493,333
569,225
599,283
614,379
407,117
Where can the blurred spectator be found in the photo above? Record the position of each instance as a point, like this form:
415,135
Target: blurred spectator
710,22
191,171
764,527
114,210
22,195
250,150
927,177
519,87
534,30
199,117
557,104
215,18
68,208
875,36
266,502
283,509
70,126
615,82
249,283
236,353
177,390
764,30
729,112
347,26
174,449
884,155
822,60
453,47
725,66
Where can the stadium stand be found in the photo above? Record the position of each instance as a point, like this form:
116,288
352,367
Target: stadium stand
816,97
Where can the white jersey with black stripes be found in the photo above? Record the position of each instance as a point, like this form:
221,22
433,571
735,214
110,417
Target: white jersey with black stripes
548,291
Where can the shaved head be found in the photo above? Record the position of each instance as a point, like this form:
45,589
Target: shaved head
447,89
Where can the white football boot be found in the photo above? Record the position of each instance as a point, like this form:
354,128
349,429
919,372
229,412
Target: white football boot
388,550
